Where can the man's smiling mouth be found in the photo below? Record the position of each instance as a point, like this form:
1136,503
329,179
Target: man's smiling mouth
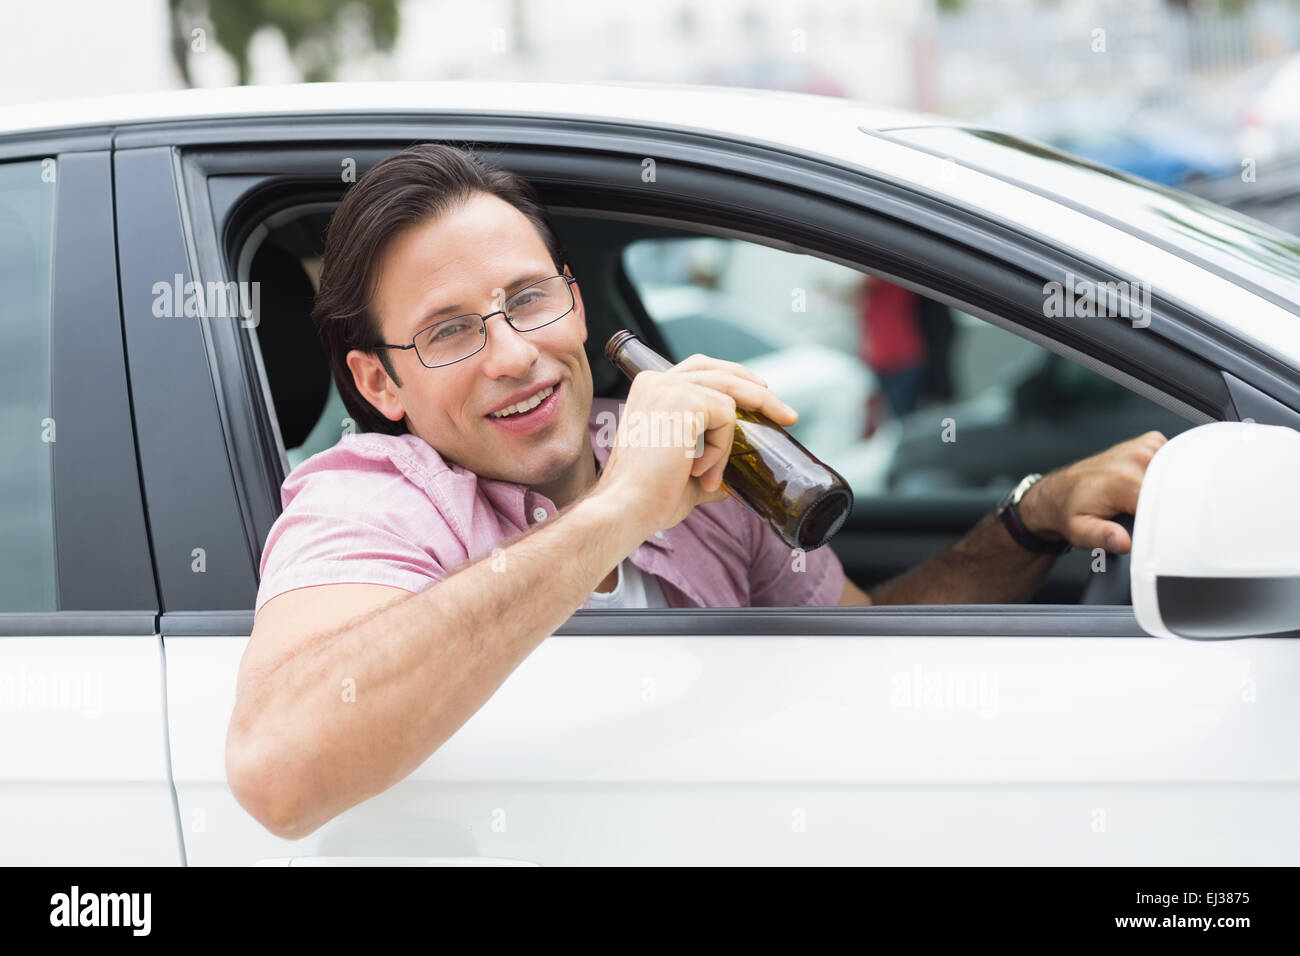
526,405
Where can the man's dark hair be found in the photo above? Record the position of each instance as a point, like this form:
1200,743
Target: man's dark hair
419,184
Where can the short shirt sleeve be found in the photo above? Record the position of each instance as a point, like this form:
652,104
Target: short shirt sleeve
780,576
318,540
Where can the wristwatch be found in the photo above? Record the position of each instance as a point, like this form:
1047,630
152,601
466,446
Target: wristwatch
1010,515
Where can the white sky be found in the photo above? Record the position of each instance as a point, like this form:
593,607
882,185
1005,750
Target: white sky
56,49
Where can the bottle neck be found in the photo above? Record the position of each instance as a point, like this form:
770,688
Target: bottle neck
632,356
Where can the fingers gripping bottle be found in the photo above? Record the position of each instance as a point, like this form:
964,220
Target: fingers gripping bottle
804,500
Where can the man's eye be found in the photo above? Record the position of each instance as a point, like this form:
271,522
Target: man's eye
526,298
450,330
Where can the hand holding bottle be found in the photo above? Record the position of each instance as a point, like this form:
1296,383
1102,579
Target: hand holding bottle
802,499
659,482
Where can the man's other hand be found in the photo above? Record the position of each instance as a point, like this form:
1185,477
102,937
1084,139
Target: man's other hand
1077,502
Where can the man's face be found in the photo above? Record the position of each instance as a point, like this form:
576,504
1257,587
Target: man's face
470,260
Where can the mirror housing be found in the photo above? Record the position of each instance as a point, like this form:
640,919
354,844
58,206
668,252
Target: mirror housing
1216,537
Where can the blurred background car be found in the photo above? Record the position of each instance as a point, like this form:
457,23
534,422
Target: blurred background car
1265,108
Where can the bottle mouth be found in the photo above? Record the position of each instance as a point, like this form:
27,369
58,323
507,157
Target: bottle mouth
823,518
616,342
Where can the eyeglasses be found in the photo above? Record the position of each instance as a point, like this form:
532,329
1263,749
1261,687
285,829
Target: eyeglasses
453,340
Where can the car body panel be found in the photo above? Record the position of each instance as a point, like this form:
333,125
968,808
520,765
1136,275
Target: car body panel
752,749
84,779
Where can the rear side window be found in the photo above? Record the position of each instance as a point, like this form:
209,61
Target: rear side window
27,432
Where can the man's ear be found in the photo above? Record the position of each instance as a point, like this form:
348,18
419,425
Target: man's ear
374,384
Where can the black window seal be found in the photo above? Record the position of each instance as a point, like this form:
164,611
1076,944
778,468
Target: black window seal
1250,404
938,620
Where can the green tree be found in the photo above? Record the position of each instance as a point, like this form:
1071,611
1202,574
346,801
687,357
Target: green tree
315,31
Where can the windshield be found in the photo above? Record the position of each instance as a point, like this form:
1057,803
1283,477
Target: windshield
1247,250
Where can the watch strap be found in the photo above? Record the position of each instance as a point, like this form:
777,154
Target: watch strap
1010,516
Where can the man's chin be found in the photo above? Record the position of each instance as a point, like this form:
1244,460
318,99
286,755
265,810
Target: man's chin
543,468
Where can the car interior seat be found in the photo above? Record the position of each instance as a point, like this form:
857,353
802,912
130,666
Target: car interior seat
297,368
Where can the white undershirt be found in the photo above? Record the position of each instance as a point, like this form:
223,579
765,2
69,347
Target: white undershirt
633,589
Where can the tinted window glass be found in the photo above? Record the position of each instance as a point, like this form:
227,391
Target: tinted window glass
27,433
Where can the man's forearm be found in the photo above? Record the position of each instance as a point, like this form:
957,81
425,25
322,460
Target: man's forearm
422,666
987,566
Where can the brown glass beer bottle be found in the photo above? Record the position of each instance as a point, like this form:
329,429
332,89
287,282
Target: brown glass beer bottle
769,472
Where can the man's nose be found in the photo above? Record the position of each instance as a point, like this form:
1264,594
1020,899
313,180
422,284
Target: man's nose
508,351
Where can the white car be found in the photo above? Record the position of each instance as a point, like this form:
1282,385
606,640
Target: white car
1057,732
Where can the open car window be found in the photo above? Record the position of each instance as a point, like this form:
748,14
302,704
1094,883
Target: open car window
904,396
930,414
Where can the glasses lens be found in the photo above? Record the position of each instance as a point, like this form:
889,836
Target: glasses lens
450,340
530,308
540,303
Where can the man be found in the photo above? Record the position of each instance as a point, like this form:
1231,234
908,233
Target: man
456,335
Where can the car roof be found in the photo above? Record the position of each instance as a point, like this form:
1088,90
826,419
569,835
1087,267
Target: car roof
674,105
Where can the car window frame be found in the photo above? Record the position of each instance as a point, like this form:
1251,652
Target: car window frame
576,176
206,558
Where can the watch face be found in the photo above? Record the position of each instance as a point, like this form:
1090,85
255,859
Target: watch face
1019,492
1015,494
1024,486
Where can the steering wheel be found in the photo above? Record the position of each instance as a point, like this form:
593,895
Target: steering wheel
1112,587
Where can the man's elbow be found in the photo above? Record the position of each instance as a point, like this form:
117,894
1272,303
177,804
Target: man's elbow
263,788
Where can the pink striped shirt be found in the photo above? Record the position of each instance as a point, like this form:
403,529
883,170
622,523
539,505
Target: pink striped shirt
387,509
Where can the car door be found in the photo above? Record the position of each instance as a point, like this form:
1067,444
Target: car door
84,775
979,734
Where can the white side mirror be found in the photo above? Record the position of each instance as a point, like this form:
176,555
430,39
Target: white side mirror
1216,537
